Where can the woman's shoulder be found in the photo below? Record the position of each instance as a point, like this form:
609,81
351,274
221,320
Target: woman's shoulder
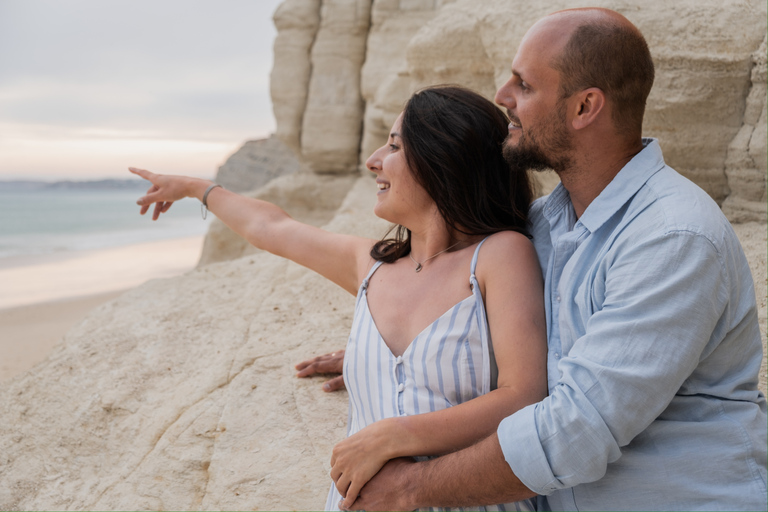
506,249
505,241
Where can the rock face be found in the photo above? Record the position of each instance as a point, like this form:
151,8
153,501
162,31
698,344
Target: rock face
706,106
257,163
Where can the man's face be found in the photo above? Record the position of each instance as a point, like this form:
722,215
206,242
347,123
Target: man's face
538,133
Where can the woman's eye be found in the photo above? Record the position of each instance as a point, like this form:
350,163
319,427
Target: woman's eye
393,147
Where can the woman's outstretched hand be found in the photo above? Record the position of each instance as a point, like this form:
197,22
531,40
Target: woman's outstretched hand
359,457
163,192
327,363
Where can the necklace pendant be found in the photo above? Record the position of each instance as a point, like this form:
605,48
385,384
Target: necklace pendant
418,267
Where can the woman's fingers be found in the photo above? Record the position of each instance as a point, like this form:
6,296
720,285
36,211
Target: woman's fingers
158,210
142,172
352,492
342,484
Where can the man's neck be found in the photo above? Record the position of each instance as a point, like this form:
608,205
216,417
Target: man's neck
588,175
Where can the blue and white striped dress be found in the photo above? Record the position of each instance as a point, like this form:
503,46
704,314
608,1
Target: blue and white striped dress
449,362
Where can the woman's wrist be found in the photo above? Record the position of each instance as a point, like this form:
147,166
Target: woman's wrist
395,437
196,187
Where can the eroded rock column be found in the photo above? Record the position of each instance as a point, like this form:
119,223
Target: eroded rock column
297,22
385,83
332,123
745,163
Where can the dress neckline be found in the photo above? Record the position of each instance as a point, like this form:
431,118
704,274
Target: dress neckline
410,344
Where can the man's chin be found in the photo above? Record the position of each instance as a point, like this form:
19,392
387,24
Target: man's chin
522,159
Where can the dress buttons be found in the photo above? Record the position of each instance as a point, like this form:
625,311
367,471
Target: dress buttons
400,387
399,360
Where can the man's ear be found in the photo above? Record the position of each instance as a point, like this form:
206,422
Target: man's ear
587,107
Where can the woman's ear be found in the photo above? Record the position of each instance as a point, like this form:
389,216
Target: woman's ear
588,104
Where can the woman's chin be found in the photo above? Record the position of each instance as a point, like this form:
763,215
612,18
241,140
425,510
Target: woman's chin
381,212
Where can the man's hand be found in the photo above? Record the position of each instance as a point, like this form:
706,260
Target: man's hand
327,363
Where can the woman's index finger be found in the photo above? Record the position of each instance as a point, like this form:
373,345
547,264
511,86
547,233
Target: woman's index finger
141,172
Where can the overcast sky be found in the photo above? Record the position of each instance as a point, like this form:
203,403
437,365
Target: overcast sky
90,87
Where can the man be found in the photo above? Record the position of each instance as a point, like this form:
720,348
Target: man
654,346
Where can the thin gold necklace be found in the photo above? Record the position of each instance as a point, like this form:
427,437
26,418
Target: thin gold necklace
420,265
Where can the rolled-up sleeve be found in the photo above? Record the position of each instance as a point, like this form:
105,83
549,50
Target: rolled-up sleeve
634,328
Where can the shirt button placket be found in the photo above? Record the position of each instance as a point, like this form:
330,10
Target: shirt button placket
400,376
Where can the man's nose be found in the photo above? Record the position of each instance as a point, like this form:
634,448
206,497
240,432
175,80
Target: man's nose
505,96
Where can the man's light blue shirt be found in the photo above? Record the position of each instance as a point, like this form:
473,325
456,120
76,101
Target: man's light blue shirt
654,353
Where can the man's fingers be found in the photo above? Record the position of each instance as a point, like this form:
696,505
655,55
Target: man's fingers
327,363
313,368
334,384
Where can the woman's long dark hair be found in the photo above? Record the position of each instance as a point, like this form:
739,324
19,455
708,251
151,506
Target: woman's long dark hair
452,139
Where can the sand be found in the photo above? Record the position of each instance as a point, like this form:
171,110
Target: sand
43,297
29,333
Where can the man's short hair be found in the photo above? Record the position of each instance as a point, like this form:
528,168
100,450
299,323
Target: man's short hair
615,58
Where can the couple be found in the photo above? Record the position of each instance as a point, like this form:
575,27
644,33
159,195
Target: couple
627,379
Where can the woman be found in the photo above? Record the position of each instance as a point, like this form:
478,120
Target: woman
429,300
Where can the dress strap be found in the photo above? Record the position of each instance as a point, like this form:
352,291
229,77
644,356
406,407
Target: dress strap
370,273
474,258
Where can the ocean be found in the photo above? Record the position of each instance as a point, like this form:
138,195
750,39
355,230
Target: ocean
65,217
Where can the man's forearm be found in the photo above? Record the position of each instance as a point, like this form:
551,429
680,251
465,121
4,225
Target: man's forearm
477,475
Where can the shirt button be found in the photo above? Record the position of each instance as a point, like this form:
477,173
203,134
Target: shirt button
557,298
399,360
557,355
400,387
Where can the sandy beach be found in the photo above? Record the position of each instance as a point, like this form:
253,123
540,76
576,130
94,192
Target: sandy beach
43,297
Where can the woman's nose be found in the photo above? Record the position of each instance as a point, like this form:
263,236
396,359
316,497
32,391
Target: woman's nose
374,161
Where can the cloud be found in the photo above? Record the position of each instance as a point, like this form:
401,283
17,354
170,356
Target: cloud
171,70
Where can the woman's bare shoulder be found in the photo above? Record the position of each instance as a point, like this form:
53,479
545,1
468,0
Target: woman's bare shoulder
507,256
507,243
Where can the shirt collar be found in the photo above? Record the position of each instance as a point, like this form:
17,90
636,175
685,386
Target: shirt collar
624,185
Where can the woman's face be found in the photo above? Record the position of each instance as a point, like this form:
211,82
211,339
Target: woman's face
400,198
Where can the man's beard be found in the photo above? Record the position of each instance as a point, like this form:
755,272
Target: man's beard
530,154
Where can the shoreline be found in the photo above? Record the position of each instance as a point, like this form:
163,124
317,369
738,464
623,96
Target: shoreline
44,297
66,275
